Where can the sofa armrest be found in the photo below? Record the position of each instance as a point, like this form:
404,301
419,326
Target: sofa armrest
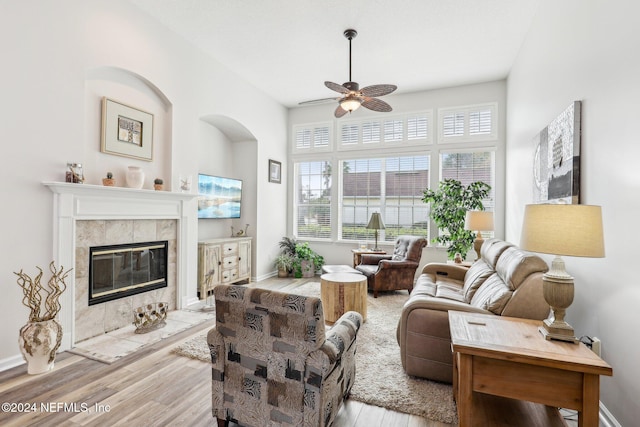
339,339
342,335
384,264
373,259
439,304
452,271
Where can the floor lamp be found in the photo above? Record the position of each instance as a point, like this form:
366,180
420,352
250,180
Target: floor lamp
478,221
376,223
571,230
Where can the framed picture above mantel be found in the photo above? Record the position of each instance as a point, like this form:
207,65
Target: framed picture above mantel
126,131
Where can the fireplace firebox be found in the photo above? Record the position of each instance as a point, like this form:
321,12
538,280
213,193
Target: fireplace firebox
118,271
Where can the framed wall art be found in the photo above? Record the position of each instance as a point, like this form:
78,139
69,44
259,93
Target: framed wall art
275,171
556,165
126,131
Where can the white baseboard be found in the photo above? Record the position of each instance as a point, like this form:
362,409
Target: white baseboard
265,276
606,418
11,362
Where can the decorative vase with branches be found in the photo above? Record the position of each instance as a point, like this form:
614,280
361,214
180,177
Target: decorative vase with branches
40,338
449,204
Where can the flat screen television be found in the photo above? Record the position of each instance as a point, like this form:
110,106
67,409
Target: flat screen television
219,197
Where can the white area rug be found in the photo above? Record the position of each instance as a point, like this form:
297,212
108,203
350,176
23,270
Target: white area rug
380,379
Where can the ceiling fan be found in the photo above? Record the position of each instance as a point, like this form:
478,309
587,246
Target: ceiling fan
352,96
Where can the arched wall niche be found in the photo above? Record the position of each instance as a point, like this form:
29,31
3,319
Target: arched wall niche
231,128
136,91
228,148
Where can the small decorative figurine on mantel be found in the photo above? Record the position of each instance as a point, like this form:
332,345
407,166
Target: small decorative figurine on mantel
157,184
109,181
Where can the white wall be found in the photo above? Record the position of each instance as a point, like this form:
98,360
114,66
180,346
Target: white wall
340,252
588,50
55,59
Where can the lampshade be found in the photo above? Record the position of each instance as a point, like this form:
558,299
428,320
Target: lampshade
350,103
571,230
375,222
478,221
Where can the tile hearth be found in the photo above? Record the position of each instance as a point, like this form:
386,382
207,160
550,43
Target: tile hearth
116,344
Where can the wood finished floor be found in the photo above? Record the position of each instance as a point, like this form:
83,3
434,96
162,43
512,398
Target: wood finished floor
151,387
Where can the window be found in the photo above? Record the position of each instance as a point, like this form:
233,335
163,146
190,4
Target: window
468,123
468,167
313,200
407,130
417,128
383,164
312,137
392,186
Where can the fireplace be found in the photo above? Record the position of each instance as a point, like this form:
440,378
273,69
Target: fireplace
118,271
86,215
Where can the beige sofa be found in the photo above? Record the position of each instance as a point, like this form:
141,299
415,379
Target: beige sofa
505,281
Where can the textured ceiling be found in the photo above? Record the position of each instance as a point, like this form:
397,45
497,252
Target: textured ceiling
288,48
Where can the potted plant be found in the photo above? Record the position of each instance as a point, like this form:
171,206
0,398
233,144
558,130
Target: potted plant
284,264
449,204
306,260
108,181
288,245
40,338
157,184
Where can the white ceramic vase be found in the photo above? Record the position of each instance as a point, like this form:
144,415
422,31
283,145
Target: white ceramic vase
38,343
135,177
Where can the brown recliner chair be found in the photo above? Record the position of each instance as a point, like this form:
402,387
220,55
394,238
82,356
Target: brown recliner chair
396,271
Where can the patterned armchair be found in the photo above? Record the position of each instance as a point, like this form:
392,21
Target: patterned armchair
393,272
273,363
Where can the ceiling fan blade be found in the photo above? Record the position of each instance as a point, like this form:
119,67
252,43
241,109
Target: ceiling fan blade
378,90
340,112
376,104
318,101
336,87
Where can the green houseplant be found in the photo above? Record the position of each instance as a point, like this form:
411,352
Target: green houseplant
449,204
288,245
284,264
306,261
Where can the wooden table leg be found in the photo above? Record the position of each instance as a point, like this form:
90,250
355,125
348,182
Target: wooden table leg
589,415
465,389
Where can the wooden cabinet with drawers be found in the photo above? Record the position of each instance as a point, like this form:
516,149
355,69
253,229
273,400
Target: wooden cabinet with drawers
223,261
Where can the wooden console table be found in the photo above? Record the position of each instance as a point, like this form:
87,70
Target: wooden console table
508,357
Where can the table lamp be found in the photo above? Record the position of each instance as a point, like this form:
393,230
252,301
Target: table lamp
376,223
571,230
478,221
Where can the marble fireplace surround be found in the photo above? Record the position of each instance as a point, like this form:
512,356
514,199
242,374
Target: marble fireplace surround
76,205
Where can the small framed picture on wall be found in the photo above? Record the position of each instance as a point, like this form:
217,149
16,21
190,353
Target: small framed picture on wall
275,171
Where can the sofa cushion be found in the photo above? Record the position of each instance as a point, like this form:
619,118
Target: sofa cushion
493,295
492,249
477,274
450,289
515,265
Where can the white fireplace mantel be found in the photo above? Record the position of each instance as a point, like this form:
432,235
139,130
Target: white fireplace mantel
74,202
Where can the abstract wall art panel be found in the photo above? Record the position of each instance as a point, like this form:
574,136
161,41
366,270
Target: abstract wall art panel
556,165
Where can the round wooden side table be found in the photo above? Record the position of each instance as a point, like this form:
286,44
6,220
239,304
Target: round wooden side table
342,292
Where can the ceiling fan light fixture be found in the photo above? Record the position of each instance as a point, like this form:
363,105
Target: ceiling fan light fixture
350,103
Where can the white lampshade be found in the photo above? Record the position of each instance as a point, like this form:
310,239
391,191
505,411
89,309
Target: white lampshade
350,103
478,221
571,230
